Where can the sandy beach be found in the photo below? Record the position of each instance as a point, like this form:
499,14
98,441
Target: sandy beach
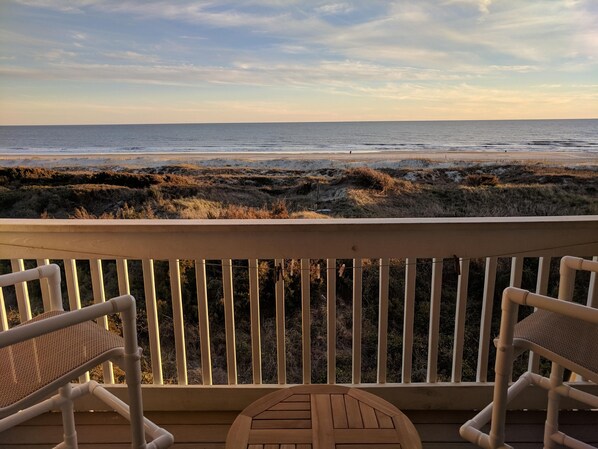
301,161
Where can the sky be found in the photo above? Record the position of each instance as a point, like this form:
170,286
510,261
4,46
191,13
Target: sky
134,61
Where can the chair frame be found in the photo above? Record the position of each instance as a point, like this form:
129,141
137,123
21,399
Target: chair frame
127,357
496,411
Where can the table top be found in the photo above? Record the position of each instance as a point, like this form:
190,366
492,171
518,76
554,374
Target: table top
322,417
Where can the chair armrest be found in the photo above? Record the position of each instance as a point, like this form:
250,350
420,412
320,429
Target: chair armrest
567,308
124,304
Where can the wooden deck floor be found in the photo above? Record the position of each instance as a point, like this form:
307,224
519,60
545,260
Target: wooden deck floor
207,430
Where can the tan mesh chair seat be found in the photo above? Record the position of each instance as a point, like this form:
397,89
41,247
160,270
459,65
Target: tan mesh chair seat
570,341
27,367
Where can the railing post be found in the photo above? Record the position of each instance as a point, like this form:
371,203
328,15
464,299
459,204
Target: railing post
122,272
331,318
3,314
357,298
152,319
433,336
306,320
280,327
383,320
21,291
99,296
178,320
593,288
254,302
462,285
229,321
204,323
408,317
486,321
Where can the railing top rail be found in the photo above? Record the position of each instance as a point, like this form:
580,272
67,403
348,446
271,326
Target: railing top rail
337,238
64,225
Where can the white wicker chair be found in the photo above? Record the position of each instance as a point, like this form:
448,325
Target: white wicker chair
566,333
45,354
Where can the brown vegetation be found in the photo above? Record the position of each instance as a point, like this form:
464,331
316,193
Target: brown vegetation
196,192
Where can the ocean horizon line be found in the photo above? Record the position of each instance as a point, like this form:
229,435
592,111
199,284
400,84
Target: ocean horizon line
302,122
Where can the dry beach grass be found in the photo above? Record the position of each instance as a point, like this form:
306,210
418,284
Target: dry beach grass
193,191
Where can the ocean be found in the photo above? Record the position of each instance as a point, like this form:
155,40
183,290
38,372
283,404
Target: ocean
301,138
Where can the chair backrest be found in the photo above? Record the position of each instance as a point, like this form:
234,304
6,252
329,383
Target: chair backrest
49,272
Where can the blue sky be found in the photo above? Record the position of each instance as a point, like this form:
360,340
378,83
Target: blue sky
133,61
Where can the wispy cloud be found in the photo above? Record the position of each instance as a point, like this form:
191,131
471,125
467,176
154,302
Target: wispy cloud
57,54
335,8
481,5
132,56
59,5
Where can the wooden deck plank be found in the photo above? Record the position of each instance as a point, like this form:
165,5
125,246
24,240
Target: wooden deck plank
291,406
267,401
283,414
282,424
384,420
281,436
353,413
339,413
323,426
369,416
297,398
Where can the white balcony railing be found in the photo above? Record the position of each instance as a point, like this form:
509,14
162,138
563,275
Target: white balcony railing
417,268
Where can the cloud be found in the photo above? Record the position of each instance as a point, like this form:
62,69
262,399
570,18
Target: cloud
132,56
481,5
58,5
79,36
345,75
58,54
334,8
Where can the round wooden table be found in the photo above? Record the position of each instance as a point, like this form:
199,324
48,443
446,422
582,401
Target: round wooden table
322,417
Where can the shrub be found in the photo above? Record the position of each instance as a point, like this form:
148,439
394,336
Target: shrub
371,179
481,179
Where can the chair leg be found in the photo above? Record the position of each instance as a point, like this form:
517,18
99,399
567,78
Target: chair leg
499,411
503,370
132,366
68,417
552,412
133,378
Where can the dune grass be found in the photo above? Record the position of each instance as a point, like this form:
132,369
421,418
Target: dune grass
192,192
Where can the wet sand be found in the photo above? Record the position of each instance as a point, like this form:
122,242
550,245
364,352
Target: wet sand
298,161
